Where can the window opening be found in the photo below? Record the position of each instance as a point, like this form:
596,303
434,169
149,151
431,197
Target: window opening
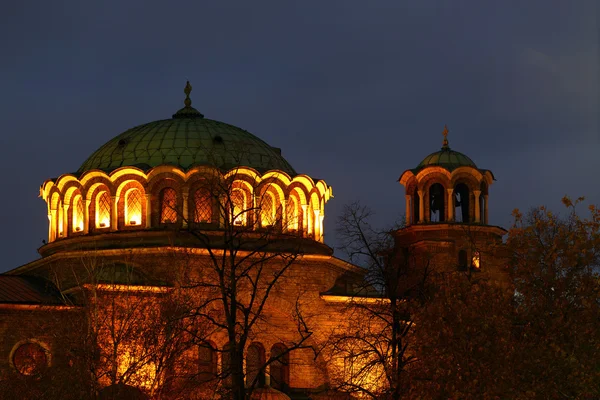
168,211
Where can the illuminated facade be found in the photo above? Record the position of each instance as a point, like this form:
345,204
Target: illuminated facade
132,208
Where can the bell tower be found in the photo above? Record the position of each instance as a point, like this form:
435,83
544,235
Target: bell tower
447,199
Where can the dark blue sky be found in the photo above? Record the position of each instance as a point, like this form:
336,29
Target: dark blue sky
353,92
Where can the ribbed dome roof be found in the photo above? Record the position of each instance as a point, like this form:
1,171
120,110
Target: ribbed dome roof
448,159
187,140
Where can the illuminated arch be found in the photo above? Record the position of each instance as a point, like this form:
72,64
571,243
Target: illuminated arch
255,361
236,207
293,214
280,367
77,213
314,214
102,203
60,221
268,209
207,362
168,205
133,207
202,205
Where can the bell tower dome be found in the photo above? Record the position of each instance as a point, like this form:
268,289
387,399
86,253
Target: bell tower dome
447,211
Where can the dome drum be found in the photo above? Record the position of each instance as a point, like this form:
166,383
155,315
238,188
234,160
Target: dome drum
167,197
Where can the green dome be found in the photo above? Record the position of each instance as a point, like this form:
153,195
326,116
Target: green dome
446,158
187,140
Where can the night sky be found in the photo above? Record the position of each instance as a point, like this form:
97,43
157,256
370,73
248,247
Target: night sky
354,92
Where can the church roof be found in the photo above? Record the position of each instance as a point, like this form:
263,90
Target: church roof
446,157
186,140
27,290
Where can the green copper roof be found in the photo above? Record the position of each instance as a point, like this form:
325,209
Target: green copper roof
449,159
187,140
446,158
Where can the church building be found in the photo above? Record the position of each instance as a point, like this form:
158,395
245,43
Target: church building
170,220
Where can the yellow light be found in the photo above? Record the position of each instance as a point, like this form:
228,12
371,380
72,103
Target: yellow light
475,260
104,223
135,219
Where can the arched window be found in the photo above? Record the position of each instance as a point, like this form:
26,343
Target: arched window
255,362
78,213
436,203
102,210
238,207
462,260
168,206
202,206
292,214
133,207
461,203
207,363
280,369
267,208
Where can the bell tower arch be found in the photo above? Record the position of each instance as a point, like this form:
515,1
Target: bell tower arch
447,213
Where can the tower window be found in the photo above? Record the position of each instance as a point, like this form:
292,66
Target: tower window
436,203
476,260
202,206
168,204
461,203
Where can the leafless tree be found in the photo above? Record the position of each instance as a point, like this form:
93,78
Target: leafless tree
376,348
245,254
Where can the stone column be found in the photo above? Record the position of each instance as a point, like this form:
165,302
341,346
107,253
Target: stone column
407,198
185,194
284,217
65,224
86,216
421,206
485,204
51,226
321,230
450,204
114,214
316,229
148,210
304,220
477,193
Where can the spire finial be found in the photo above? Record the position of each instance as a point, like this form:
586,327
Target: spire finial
445,133
188,111
187,91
